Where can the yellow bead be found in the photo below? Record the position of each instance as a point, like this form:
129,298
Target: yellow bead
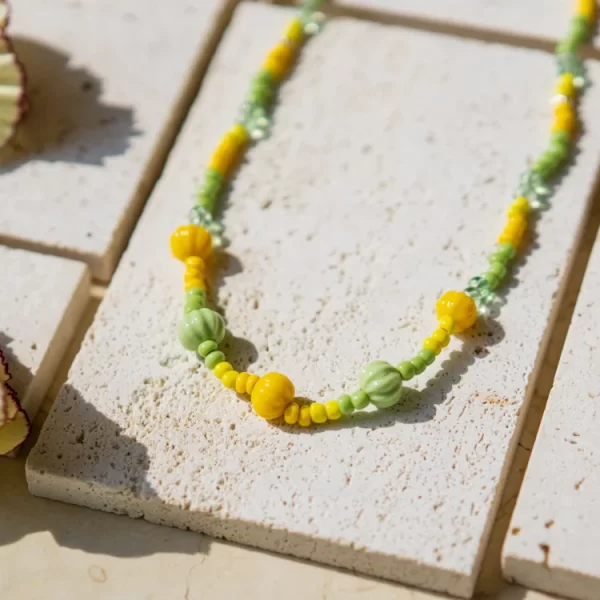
564,85
460,307
221,369
228,380
194,267
271,394
587,9
279,60
318,414
191,240
333,410
240,383
446,322
513,231
294,32
252,379
520,206
228,152
431,344
291,414
441,336
189,283
304,419
239,133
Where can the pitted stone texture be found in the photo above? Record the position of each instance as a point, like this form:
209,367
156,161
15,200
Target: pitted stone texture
538,20
555,530
41,300
370,198
106,83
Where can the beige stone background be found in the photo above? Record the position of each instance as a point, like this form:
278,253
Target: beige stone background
54,551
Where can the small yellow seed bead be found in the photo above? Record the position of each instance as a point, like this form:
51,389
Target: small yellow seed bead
447,323
221,369
564,120
587,9
333,410
441,336
228,380
240,383
514,230
240,134
279,60
291,414
229,150
304,419
520,206
318,414
190,283
252,379
430,344
294,32
194,262
564,85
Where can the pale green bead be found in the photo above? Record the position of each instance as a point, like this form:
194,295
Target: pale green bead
360,400
199,326
194,300
205,348
428,356
346,406
419,364
382,383
406,370
214,358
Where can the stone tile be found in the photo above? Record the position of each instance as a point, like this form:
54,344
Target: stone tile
108,83
370,198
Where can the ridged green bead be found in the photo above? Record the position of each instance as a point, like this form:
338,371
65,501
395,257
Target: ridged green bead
360,400
406,370
205,348
194,300
382,383
346,406
199,326
419,364
427,355
214,358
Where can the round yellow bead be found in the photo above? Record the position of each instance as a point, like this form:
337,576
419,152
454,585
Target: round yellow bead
228,380
221,369
460,307
279,60
430,344
564,85
304,419
252,379
291,414
271,394
191,240
446,322
441,336
318,414
240,383
333,410
294,32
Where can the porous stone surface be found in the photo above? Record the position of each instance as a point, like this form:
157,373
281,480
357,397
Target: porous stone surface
107,86
41,300
535,20
370,198
555,530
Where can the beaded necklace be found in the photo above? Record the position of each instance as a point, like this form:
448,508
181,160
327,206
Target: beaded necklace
273,395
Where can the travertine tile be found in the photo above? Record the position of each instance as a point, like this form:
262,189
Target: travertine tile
555,529
107,84
370,198
41,300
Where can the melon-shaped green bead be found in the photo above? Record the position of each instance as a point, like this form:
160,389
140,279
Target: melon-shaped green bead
382,383
199,326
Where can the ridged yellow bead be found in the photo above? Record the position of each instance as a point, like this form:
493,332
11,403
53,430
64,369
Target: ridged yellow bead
251,382
271,394
446,322
294,32
431,344
460,307
514,230
441,336
221,369
304,419
279,60
291,414
520,206
228,380
191,240
333,410
189,283
240,383
564,85
587,9
318,414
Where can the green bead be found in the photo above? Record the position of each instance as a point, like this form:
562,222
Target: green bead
194,300
560,137
546,164
492,279
205,348
214,358
406,370
382,384
346,406
419,364
212,175
264,77
200,325
496,268
360,400
427,355
507,249
498,257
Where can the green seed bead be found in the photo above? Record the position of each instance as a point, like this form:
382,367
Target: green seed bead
214,358
264,77
560,137
194,300
381,383
508,249
492,279
346,406
205,348
427,355
406,370
419,364
496,268
360,400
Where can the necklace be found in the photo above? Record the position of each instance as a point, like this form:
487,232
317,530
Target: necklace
273,395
